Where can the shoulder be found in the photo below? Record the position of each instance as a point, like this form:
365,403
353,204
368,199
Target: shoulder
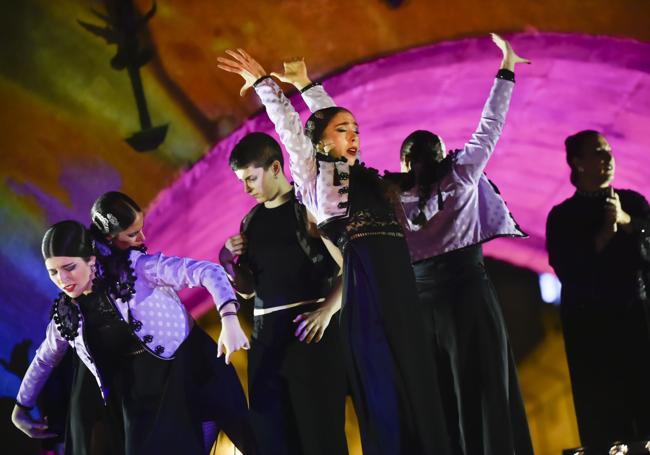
561,209
632,196
245,222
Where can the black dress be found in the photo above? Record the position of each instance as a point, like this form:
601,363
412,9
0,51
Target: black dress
392,374
604,312
153,406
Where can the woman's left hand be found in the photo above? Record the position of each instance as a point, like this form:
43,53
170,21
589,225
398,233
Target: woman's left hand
510,57
232,338
312,324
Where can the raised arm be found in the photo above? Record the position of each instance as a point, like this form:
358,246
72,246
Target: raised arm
313,93
302,160
48,355
181,273
471,161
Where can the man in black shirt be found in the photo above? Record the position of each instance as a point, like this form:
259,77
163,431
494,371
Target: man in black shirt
296,378
598,243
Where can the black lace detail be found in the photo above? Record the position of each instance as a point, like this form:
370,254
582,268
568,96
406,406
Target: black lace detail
66,316
365,223
147,339
116,270
159,349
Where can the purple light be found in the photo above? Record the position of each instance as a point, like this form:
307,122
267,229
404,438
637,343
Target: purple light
575,82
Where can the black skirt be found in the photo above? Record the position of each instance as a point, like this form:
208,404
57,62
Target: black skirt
157,406
390,369
478,378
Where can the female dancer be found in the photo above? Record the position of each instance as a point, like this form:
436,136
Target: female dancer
449,209
392,374
459,301
134,336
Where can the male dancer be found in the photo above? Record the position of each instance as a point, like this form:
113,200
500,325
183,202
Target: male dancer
296,377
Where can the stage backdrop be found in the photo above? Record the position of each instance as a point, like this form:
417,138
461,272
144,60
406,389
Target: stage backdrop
575,82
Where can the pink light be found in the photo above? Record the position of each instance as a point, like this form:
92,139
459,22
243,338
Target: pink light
576,82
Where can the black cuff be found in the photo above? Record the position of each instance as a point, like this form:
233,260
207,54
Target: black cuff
235,301
506,75
266,76
22,406
307,87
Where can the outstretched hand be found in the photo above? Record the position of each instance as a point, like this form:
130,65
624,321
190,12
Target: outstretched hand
295,73
36,429
243,64
510,57
231,339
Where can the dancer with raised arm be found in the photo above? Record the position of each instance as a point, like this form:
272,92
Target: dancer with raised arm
392,373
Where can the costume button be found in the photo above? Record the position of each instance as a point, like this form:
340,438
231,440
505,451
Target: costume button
344,190
342,205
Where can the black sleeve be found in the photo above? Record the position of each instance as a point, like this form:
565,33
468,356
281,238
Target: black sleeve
571,253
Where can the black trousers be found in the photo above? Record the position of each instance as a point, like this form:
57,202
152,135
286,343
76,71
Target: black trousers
478,379
297,390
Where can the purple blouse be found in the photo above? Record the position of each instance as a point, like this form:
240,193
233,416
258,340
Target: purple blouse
158,318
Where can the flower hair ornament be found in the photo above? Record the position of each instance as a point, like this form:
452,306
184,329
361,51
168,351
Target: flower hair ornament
108,223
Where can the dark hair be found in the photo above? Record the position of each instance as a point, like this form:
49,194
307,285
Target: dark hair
112,213
426,155
319,120
574,146
67,238
256,149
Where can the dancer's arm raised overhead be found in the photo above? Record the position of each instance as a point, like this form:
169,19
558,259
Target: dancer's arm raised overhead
302,160
471,161
313,93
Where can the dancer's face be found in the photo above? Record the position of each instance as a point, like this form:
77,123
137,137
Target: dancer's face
73,275
133,236
341,137
596,164
262,184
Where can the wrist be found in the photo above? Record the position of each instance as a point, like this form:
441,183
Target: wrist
301,83
231,306
260,79
508,64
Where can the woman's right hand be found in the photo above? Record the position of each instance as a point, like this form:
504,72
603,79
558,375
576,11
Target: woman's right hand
244,65
22,419
295,73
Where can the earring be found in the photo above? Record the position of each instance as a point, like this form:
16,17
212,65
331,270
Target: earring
93,269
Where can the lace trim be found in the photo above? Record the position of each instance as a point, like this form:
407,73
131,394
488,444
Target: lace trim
66,316
366,223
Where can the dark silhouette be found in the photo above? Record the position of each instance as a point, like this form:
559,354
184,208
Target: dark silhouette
123,25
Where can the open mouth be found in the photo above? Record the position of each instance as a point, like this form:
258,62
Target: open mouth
352,151
69,287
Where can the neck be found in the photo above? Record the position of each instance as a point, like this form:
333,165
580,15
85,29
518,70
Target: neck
282,194
589,187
